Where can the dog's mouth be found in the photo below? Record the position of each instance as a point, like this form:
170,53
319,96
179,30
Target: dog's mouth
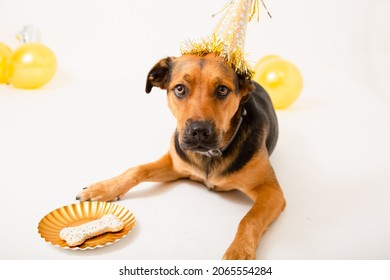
197,146
202,140
199,136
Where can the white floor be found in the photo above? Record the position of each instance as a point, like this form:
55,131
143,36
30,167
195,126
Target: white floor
94,121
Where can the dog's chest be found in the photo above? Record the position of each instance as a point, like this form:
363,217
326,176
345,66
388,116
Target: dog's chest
209,185
217,186
208,175
214,184
202,180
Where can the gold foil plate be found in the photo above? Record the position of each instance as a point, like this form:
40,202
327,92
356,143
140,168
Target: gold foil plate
76,214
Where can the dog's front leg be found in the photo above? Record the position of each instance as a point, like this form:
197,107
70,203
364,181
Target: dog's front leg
268,204
113,189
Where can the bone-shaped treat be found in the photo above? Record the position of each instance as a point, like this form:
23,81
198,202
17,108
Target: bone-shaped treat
77,235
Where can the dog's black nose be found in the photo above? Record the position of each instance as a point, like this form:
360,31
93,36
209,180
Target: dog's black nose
199,130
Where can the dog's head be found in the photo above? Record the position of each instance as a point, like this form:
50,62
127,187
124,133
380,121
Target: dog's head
204,94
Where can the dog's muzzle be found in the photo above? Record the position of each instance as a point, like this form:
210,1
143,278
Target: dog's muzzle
199,136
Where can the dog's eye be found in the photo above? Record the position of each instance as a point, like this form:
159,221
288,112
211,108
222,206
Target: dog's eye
222,91
179,90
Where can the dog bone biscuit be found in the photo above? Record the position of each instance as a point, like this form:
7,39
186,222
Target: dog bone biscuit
77,235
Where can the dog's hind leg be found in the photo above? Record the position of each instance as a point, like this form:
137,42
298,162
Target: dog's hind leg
113,189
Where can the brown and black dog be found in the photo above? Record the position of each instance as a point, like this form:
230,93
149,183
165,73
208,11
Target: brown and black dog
226,130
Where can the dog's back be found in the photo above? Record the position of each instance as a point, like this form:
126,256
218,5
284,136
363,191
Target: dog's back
261,103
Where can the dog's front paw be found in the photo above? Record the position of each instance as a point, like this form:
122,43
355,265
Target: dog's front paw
240,253
108,190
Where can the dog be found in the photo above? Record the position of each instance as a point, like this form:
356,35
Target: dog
226,131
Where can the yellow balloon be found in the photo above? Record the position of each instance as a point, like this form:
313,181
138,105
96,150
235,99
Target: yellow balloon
5,54
31,66
281,79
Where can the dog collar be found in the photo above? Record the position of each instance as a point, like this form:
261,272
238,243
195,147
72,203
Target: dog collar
219,152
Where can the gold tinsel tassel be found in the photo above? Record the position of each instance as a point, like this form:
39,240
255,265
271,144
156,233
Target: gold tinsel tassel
228,38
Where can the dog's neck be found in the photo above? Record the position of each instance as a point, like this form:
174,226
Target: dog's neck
219,152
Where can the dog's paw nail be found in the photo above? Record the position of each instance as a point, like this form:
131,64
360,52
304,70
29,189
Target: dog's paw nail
85,188
77,197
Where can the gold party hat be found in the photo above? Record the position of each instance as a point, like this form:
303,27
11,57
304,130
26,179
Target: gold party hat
228,38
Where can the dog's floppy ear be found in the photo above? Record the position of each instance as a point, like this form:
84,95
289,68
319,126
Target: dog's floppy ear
158,75
246,87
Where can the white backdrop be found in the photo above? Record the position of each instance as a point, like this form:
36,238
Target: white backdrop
93,121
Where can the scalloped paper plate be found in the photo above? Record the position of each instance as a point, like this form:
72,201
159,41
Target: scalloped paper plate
76,214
